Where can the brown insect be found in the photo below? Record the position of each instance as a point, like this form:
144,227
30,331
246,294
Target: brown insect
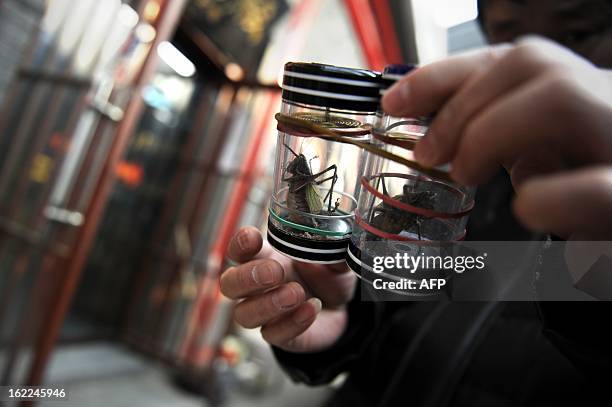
394,220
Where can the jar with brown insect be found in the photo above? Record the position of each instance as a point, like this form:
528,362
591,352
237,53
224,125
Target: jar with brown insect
404,208
317,169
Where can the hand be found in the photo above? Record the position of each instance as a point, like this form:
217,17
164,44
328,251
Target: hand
536,108
299,306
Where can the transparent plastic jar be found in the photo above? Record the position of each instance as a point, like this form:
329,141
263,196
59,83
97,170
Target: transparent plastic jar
401,209
315,179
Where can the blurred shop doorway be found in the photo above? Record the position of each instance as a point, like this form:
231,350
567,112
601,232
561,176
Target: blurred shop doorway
64,125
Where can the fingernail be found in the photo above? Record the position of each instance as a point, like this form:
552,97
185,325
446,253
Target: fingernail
303,317
285,298
266,275
317,304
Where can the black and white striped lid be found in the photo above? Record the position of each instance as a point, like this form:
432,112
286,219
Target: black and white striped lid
394,73
332,86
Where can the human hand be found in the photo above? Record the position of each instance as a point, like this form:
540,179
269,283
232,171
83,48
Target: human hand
536,108
299,306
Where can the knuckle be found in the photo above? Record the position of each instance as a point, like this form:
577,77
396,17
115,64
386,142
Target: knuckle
246,242
559,87
244,276
535,43
242,238
531,55
270,304
495,52
525,53
556,86
276,270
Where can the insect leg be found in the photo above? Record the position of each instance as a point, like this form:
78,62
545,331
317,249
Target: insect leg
328,169
418,222
289,148
334,179
325,179
294,180
331,189
384,186
291,178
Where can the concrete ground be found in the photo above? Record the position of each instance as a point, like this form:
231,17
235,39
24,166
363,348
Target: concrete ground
108,375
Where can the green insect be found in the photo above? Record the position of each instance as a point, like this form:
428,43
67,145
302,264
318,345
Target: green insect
303,195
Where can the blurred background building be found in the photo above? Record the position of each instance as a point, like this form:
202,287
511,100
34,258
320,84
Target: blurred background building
135,139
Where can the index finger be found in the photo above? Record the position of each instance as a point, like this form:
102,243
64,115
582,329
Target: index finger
426,89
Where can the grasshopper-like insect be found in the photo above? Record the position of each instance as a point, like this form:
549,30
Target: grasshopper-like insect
393,220
303,195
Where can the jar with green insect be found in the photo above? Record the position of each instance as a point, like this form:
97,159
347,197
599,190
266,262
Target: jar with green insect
404,208
327,113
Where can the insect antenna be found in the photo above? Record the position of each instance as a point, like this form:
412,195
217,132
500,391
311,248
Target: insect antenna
290,149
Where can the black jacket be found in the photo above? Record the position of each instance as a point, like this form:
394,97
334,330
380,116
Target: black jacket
468,354
464,354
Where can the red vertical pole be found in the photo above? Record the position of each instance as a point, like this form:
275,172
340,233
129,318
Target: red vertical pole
387,31
365,27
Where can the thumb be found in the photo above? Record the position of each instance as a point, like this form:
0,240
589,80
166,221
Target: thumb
569,203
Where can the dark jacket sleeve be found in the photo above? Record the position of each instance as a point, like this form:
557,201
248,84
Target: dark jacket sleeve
581,331
364,319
